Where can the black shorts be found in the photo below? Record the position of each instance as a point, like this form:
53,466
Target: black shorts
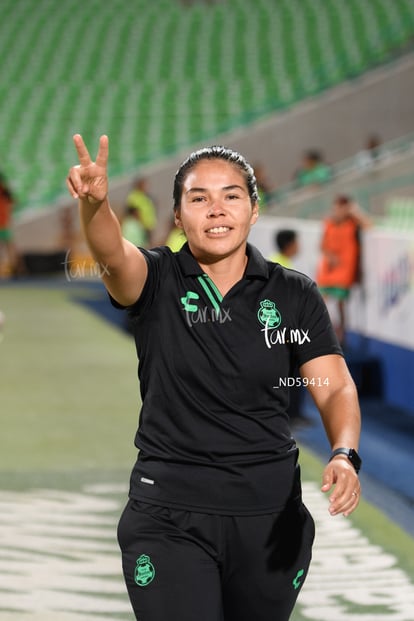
186,566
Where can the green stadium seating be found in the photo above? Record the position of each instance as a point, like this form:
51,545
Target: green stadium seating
399,214
157,76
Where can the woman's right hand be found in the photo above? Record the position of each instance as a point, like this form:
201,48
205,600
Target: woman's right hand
88,180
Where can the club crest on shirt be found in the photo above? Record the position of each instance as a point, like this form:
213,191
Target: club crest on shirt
270,318
268,314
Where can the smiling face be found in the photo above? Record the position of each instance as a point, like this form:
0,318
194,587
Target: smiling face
215,211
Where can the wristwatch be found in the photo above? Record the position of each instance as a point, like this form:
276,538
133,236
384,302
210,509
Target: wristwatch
352,455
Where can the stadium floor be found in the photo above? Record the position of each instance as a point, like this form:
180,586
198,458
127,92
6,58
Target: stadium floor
69,410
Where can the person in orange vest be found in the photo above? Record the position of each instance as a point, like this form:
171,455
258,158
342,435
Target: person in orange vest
339,267
6,232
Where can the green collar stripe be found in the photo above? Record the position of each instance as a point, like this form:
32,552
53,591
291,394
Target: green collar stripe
214,288
205,282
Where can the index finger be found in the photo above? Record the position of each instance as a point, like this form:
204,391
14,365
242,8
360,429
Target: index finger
82,151
102,155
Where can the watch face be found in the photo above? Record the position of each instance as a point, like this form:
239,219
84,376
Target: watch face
352,455
355,459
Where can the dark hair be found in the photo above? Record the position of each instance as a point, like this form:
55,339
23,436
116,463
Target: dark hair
343,199
284,237
215,153
314,155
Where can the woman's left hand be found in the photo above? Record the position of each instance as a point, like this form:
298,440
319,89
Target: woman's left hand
340,474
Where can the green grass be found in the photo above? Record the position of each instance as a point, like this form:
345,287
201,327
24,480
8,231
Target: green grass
69,393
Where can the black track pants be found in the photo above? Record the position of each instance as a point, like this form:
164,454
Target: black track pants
187,566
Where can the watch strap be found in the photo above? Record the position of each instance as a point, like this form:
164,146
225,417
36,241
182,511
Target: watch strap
351,454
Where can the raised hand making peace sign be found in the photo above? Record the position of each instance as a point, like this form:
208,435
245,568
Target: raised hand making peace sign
88,180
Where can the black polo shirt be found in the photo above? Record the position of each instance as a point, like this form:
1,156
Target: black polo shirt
214,375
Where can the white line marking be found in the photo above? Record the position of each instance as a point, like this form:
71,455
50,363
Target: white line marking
60,562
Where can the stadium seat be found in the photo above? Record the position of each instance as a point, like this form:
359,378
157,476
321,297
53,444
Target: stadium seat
157,76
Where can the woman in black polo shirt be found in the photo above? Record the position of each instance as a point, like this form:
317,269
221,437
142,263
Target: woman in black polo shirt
215,528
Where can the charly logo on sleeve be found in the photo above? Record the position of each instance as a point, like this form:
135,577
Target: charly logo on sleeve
271,319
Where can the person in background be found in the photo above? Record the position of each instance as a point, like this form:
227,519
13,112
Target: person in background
339,266
286,241
263,186
372,152
132,228
140,200
13,262
313,171
175,237
215,494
